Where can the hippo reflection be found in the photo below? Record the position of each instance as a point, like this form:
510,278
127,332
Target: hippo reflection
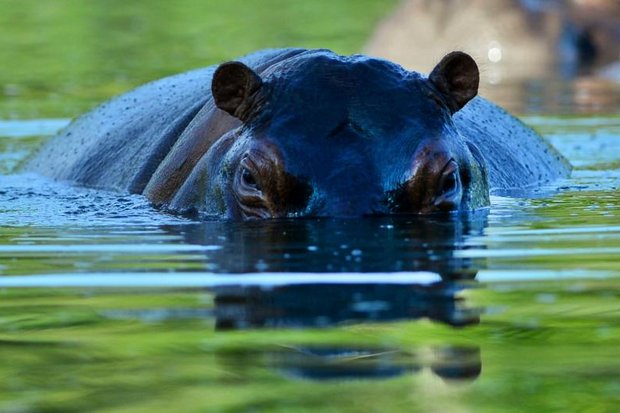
314,305
378,244
324,305
451,363
281,301
293,132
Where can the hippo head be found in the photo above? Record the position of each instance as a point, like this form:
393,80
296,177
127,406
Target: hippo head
326,135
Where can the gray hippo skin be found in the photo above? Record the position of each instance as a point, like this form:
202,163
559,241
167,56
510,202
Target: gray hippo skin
294,132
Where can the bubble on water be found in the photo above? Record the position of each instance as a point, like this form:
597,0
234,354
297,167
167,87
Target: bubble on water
576,287
604,331
502,288
530,323
210,266
80,265
495,309
313,248
371,306
261,265
11,89
356,252
546,298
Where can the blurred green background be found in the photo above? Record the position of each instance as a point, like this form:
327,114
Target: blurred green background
61,57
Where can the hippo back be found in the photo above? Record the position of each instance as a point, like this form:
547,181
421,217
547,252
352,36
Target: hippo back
119,144
515,155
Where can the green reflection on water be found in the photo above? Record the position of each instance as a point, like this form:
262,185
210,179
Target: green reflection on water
95,350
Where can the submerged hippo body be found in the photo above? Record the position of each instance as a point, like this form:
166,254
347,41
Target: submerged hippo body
295,132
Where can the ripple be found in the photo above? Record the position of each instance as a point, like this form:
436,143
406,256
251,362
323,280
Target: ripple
34,127
206,279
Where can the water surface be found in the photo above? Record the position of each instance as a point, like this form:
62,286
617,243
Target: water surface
516,303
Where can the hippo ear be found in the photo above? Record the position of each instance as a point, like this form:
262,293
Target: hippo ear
233,87
457,78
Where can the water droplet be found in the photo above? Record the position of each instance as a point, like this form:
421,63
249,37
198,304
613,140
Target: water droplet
261,265
546,298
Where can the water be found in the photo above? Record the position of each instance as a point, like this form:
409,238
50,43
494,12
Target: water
513,308
107,304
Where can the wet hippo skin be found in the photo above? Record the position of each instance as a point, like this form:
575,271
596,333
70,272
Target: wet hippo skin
294,132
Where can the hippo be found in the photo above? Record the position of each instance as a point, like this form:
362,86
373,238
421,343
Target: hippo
305,133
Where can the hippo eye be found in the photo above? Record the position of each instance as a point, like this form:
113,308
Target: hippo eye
449,183
248,179
450,180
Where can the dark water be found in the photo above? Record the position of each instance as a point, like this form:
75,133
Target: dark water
107,304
